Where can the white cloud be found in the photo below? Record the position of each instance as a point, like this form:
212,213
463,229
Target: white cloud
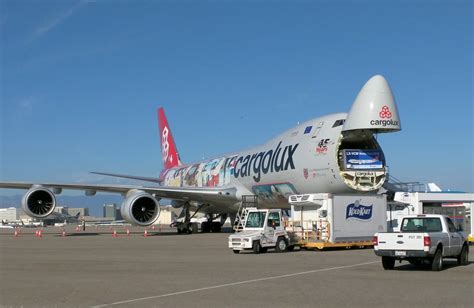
57,20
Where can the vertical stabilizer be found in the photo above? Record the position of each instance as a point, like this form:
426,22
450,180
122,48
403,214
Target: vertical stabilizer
168,148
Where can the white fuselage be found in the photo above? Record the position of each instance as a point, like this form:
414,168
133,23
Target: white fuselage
303,159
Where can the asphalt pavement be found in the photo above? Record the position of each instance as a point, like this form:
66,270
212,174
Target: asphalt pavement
95,269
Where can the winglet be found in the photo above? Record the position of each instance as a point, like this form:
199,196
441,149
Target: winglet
168,148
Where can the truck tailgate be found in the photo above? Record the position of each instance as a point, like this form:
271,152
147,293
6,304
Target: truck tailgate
400,241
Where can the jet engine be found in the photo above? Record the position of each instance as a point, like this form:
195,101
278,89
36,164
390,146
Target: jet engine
38,202
140,208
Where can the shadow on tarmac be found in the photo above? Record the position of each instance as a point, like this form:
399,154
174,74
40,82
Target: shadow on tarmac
447,265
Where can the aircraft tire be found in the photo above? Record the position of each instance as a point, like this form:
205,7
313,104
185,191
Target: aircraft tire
215,227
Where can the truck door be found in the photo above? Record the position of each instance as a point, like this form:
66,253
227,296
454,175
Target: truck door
273,226
455,239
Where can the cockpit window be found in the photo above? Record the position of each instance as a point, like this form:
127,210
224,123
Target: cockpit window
338,123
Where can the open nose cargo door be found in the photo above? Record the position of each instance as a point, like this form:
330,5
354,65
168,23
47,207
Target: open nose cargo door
361,160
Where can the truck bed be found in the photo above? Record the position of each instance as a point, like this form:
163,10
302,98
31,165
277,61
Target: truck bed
401,241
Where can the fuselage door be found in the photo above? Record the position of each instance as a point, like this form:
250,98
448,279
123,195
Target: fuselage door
318,129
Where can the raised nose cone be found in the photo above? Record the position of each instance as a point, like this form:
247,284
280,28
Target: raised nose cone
374,108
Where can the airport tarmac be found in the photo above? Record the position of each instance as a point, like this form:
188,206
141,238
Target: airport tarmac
94,269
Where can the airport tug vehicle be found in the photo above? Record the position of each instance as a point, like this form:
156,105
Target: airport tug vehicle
262,229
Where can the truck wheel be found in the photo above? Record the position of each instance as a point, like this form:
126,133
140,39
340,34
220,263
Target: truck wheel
236,251
437,262
463,258
256,247
388,263
281,245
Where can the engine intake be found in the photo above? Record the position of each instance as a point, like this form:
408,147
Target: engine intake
140,208
38,202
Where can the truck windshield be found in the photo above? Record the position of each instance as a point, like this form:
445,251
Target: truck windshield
255,220
416,224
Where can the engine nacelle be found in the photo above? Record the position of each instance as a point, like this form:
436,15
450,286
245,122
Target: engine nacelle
38,202
140,208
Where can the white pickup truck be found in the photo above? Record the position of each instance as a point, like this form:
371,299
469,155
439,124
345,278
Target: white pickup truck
422,239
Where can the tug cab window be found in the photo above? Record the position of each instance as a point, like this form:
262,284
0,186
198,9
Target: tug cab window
255,220
273,220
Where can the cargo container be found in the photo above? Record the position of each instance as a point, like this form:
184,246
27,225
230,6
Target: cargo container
328,220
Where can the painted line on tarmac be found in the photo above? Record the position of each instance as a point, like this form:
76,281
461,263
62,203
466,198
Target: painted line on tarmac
233,284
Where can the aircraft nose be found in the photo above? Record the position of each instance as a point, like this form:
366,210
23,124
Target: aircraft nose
377,83
374,108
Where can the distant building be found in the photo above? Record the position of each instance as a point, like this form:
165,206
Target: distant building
118,214
73,211
9,214
110,210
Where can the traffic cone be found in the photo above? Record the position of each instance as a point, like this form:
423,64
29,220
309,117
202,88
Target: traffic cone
36,233
128,232
145,234
114,234
63,234
153,227
16,233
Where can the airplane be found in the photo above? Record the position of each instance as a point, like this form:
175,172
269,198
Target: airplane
336,153
61,218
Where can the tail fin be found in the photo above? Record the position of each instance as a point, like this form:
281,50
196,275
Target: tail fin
168,147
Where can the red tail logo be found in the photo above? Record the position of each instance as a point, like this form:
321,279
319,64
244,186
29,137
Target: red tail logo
168,147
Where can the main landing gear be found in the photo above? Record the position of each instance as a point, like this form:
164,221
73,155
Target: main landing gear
213,226
186,226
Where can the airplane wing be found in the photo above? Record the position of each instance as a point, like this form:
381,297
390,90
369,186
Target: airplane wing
220,194
133,177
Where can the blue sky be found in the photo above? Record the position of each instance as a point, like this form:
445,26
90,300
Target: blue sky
81,81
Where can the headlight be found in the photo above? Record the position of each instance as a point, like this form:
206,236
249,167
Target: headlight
246,240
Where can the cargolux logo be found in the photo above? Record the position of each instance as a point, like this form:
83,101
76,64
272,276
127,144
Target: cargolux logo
385,113
358,211
165,144
275,160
